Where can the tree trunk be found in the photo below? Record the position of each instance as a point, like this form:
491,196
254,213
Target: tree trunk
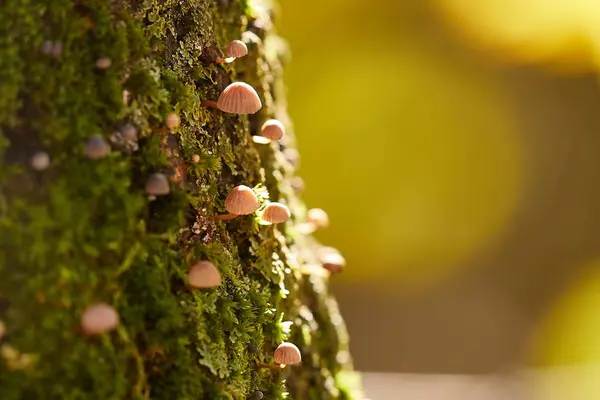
78,228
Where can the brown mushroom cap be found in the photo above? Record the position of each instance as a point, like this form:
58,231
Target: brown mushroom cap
40,161
272,129
236,48
99,318
96,147
103,63
204,274
318,217
276,213
239,98
287,353
242,201
172,121
331,260
158,185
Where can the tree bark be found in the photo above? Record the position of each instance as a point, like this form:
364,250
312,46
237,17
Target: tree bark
81,231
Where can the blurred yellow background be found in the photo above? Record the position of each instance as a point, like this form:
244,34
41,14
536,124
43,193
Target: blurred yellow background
455,145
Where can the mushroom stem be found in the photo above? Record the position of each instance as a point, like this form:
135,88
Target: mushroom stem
226,60
271,366
209,103
226,217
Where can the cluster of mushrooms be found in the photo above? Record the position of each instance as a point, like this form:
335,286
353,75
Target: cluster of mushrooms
237,98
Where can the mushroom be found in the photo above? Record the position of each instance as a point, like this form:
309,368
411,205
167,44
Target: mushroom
235,49
331,260
99,318
203,275
158,185
237,98
129,132
316,218
287,354
40,161
172,121
241,201
276,213
257,395
96,147
196,158
272,129
103,63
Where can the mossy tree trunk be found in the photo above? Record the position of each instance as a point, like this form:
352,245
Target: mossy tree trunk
83,231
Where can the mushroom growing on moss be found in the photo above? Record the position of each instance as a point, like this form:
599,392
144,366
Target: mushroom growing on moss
40,161
103,63
237,98
172,121
331,260
203,275
96,147
158,185
272,129
235,49
276,213
241,201
99,318
287,354
316,218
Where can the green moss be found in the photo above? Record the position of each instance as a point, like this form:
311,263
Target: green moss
83,230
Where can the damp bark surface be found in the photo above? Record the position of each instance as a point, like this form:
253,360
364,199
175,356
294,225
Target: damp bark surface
83,231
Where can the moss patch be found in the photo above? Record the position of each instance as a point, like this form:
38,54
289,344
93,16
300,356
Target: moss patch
84,231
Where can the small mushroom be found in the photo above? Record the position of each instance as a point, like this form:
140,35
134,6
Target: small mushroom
40,161
103,63
158,185
316,218
276,213
241,201
235,49
237,98
203,275
99,318
96,147
195,158
129,132
287,354
272,129
172,121
331,260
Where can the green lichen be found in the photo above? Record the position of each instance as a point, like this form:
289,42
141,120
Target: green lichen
84,231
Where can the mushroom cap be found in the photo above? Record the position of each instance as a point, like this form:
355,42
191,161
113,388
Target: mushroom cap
272,129
158,185
103,63
99,318
236,48
331,260
129,132
96,147
204,274
172,120
239,98
242,201
40,161
318,217
276,213
287,353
